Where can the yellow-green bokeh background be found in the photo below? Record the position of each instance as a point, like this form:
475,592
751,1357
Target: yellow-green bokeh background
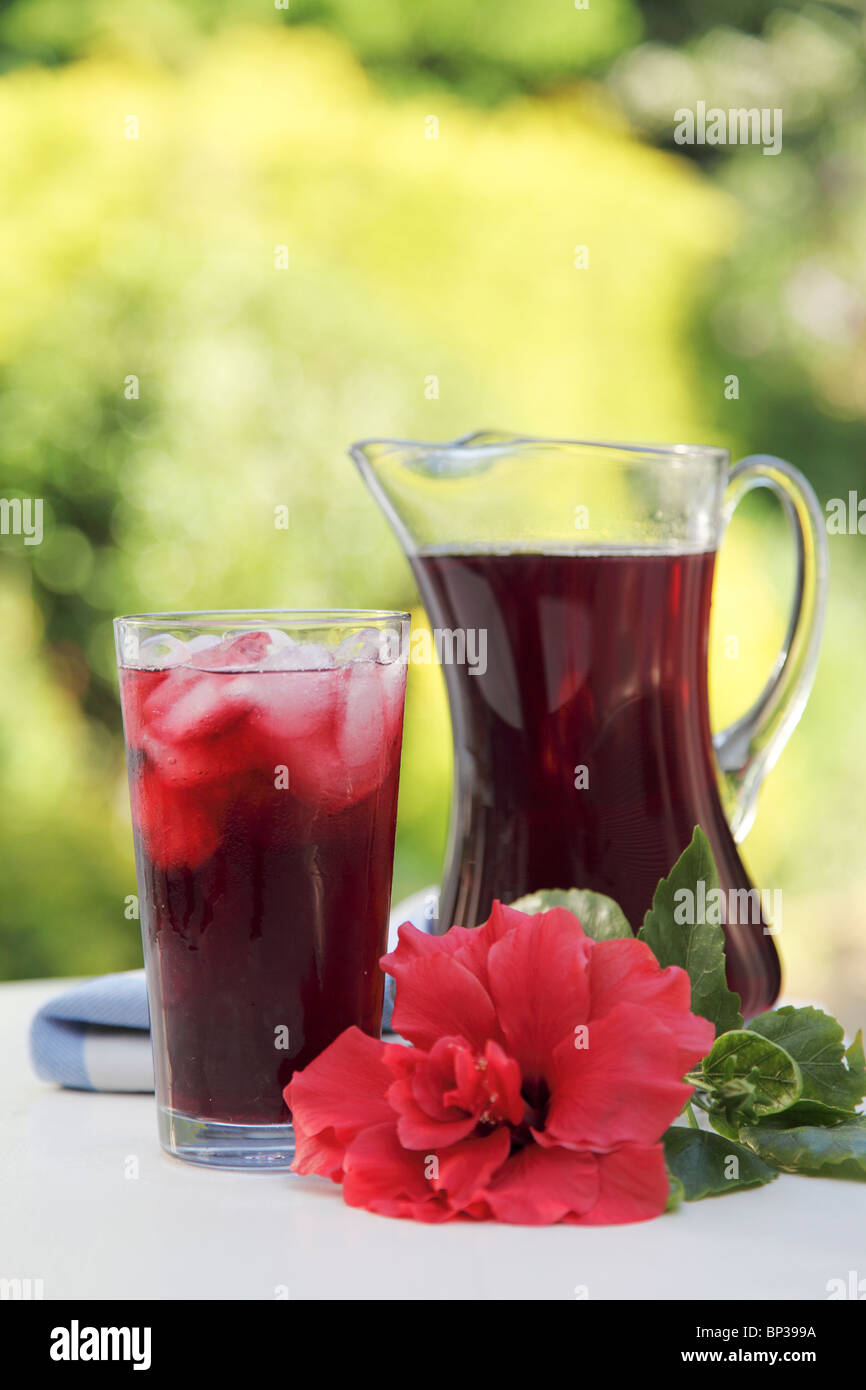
409,257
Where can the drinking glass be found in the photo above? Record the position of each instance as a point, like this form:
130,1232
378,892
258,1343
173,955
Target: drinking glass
263,751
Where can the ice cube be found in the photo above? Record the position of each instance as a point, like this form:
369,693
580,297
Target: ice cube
179,828
345,756
298,656
291,705
367,644
362,726
337,771
192,704
393,679
244,651
161,651
296,718
280,638
199,763
196,648
137,689
277,641
319,776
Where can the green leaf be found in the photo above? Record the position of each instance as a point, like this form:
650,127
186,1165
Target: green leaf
834,1081
676,1193
748,1076
837,1151
700,947
856,1057
720,1123
600,917
709,1165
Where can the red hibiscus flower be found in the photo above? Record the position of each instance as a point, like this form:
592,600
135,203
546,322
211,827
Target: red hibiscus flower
544,1068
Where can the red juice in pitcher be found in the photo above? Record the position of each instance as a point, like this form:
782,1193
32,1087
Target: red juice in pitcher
584,753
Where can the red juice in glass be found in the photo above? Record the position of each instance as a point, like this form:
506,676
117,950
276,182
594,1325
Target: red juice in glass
263,776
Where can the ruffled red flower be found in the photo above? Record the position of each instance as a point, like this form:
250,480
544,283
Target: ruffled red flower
543,1070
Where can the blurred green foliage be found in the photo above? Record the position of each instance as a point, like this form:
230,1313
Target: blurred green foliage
409,257
487,51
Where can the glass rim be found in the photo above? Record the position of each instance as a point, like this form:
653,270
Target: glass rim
251,617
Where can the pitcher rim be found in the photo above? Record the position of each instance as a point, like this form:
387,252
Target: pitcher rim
655,452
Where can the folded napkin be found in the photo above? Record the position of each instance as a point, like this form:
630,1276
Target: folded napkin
96,1036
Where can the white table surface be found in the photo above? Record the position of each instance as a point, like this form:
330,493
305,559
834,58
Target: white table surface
71,1217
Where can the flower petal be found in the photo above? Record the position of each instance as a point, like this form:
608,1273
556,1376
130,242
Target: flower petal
472,947
320,1153
431,1213
627,972
624,1087
633,1186
537,1187
412,944
437,997
503,1083
466,1169
435,1080
540,986
341,1092
468,945
467,1090
380,1175
416,1129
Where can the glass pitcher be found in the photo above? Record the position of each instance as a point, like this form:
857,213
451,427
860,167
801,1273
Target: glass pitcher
572,582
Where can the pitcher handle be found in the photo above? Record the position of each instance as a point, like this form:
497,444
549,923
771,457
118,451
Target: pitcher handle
747,749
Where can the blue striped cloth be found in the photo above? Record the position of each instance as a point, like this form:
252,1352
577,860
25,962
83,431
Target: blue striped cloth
96,1036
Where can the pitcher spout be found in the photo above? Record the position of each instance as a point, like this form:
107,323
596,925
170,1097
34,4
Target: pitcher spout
410,480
